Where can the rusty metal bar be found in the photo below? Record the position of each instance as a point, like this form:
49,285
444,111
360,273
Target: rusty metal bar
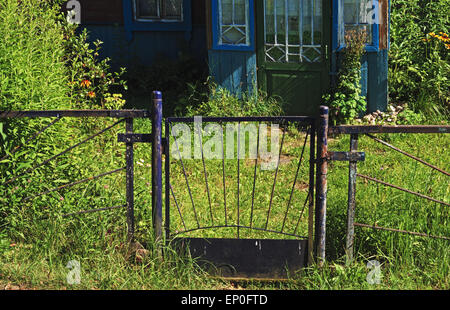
74,183
62,153
135,138
409,155
30,139
321,186
351,200
363,129
403,189
346,156
401,231
76,113
312,166
129,159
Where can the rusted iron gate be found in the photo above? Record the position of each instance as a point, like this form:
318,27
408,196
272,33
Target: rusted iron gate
239,257
353,157
129,138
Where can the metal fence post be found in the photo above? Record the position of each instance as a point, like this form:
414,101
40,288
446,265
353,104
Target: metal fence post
321,186
351,200
130,180
157,164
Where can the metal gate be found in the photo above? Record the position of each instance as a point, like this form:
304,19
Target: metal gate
246,217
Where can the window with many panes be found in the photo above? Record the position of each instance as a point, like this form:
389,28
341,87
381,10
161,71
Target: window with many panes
359,15
232,24
158,10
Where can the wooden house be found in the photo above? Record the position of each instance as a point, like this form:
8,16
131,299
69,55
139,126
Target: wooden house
288,48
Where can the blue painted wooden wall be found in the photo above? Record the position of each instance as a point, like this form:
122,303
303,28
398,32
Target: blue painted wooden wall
147,47
233,70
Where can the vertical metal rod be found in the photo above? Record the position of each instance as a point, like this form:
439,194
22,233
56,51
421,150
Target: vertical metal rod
312,146
199,131
351,200
167,179
223,179
275,177
321,186
130,181
238,172
157,164
187,182
295,182
286,29
254,175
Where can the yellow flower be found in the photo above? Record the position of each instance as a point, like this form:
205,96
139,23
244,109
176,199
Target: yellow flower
91,94
85,83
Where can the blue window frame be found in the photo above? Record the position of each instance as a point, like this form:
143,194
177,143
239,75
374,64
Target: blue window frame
233,25
356,14
155,17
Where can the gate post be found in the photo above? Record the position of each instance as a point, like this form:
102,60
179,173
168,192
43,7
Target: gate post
321,185
351,200
157,164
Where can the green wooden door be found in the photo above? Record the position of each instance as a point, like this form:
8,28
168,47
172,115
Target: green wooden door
293,46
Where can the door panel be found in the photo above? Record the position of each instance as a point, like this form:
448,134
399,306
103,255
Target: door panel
292,41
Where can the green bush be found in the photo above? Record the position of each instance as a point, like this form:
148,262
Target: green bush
345,100
44,65
419,69
221,102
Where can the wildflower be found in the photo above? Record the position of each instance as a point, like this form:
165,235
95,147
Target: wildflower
85,83
91,94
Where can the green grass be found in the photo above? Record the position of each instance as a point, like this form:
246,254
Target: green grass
35,252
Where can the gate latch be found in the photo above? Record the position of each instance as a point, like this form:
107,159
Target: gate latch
346,156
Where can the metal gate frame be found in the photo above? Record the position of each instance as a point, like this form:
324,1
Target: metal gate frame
246,258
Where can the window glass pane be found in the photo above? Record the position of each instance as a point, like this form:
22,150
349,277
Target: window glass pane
146,8
227,12
172,9
355,17
233,22
239,12
293,30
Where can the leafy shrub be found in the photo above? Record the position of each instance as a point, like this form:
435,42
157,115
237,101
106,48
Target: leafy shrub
90,79
345,100
221,102
45,65
418,64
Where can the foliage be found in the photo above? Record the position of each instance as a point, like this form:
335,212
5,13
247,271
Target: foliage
419,67
90,78
46,65
221,102
182,82
345,101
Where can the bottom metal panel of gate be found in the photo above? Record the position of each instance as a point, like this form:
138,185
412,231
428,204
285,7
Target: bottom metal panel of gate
246,258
